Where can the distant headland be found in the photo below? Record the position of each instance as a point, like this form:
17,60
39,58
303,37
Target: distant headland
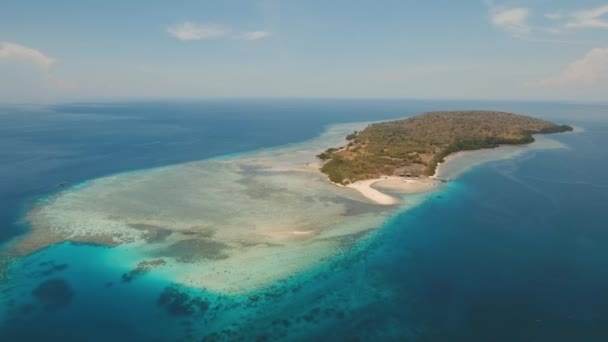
413,147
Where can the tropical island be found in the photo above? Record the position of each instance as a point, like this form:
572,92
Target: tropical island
415,146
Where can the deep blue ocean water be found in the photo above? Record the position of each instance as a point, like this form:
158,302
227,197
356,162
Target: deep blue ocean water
514,250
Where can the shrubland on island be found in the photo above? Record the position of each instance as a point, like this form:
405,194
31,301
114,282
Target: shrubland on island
413,147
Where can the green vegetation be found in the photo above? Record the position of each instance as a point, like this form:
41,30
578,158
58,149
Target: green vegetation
327,154
415,146
351,136
556,129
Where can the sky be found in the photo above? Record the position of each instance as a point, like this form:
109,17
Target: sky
82,50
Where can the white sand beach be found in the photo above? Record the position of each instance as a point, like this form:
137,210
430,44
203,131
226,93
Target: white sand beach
365,188
392,183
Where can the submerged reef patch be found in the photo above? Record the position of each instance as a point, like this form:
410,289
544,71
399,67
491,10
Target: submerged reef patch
141,269
53,294
196,249
48,268
179,303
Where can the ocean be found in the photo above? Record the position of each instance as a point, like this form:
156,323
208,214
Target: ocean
512,250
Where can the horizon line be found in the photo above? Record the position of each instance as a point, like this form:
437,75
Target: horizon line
303,98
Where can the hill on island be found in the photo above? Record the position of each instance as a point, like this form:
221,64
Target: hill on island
414,146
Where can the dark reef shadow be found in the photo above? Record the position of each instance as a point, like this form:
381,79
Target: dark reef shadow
53,294
193,250
179,303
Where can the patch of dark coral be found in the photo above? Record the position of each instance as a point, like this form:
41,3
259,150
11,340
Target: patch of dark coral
141,269
48,268
196,249
53,294
180,303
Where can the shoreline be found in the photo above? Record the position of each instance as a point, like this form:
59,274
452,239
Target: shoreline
451,168
391,183
365,188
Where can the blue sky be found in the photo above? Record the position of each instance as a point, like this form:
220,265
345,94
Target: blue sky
54,51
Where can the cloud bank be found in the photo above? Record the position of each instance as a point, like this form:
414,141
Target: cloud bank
192,31
593,18
512,20
521,24
554,15
12,51
255,35
589,70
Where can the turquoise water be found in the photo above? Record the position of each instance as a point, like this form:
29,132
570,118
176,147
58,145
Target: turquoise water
514,250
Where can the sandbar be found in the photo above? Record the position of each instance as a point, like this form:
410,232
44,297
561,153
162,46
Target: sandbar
395,184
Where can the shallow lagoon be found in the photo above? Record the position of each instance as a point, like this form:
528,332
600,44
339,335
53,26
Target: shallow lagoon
230,224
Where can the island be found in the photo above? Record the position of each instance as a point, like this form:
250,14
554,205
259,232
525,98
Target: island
413,147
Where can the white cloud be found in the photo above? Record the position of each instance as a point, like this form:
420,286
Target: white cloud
590,18
255,35
23,53
41,80
589,70
554,15
192,31
554,30
517,21
530,38
512,20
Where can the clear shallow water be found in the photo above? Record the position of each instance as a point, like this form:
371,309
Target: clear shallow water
513,250
231,224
